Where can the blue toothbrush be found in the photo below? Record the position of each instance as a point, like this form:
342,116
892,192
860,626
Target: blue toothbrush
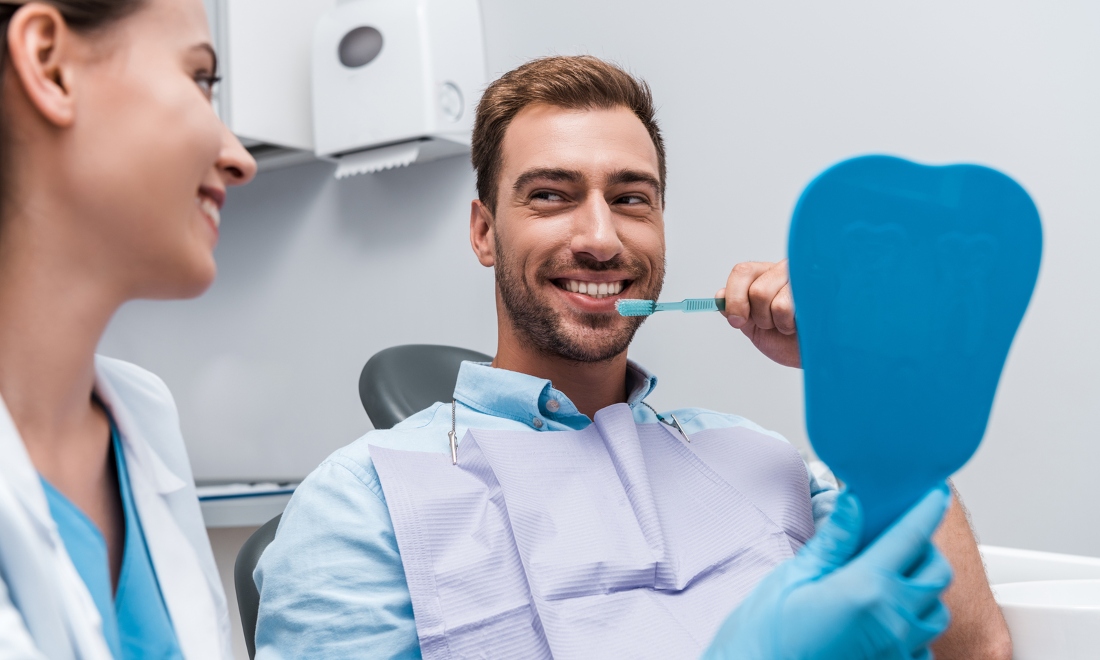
647,307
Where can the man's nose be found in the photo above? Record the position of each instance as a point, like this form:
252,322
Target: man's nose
595,233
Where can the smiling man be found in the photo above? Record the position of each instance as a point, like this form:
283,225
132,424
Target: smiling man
578,521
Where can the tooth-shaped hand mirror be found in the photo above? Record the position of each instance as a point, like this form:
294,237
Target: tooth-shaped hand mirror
909,282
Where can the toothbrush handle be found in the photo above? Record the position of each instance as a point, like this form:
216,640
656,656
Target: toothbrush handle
704,305
692,305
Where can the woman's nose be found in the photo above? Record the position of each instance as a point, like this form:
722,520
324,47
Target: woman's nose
235,165
595,233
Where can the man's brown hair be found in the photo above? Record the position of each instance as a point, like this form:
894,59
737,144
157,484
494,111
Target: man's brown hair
579,82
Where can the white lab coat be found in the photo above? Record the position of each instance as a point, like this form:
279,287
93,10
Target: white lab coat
45,609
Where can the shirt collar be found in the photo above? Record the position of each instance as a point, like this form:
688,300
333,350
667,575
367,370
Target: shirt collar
526,398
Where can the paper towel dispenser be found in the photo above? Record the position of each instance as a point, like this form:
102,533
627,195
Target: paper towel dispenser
395,81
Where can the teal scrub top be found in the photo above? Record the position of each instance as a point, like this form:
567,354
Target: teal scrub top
135,621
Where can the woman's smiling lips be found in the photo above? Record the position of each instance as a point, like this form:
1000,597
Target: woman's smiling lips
210,201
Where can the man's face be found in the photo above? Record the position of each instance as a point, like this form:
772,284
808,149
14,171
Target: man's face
578,225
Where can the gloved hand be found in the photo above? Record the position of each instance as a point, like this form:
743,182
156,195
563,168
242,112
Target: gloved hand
824,604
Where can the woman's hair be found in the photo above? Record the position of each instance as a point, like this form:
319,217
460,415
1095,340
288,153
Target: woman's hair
80,15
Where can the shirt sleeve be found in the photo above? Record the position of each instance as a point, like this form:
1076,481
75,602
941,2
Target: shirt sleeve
823,490
331,583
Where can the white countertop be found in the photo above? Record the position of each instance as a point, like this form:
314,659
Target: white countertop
243,504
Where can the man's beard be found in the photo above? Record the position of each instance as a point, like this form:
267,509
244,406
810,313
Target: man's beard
598,339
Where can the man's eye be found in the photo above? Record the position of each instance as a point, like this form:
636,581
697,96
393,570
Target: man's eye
207,83
631,199
547,196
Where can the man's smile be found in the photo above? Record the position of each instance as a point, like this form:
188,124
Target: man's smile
594,289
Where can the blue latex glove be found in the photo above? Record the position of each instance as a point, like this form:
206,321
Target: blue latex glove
825,604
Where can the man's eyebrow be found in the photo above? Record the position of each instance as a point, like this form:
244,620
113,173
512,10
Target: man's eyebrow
547,173
213,56
633,176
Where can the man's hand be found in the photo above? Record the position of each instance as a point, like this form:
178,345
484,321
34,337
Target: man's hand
759,304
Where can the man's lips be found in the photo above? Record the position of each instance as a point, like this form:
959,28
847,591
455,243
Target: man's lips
593,288
593,295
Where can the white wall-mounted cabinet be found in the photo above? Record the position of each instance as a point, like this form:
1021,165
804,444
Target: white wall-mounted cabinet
421,91
264,50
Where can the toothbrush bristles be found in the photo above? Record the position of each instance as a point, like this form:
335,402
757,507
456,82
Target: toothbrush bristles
628,307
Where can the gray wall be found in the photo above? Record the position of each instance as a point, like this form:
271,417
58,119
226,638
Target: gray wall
756,98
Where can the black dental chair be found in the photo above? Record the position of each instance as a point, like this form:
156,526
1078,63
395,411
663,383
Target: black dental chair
400,381
395,383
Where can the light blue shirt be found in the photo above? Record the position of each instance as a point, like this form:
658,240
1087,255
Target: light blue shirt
135,620
332,584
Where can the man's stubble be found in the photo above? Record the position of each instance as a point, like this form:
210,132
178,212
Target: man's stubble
598,339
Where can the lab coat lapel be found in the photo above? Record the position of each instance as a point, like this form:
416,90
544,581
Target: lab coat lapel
18,473
183,582
53,601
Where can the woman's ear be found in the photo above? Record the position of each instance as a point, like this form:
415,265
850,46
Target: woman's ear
39,45
482,235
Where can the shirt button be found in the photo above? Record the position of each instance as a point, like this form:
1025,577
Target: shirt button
553,406
537,423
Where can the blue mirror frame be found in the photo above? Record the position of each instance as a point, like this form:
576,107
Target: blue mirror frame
909,283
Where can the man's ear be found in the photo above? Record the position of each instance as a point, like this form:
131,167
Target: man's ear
482,234
39,44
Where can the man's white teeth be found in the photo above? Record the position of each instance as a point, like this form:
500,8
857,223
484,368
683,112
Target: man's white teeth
594,289
208,207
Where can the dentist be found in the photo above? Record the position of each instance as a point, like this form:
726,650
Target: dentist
113,167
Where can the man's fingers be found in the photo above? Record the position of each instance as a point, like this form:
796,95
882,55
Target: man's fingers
783,311
763,292
760,292
783,302
738,307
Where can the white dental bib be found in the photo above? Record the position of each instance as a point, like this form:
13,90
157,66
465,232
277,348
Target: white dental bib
620,540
